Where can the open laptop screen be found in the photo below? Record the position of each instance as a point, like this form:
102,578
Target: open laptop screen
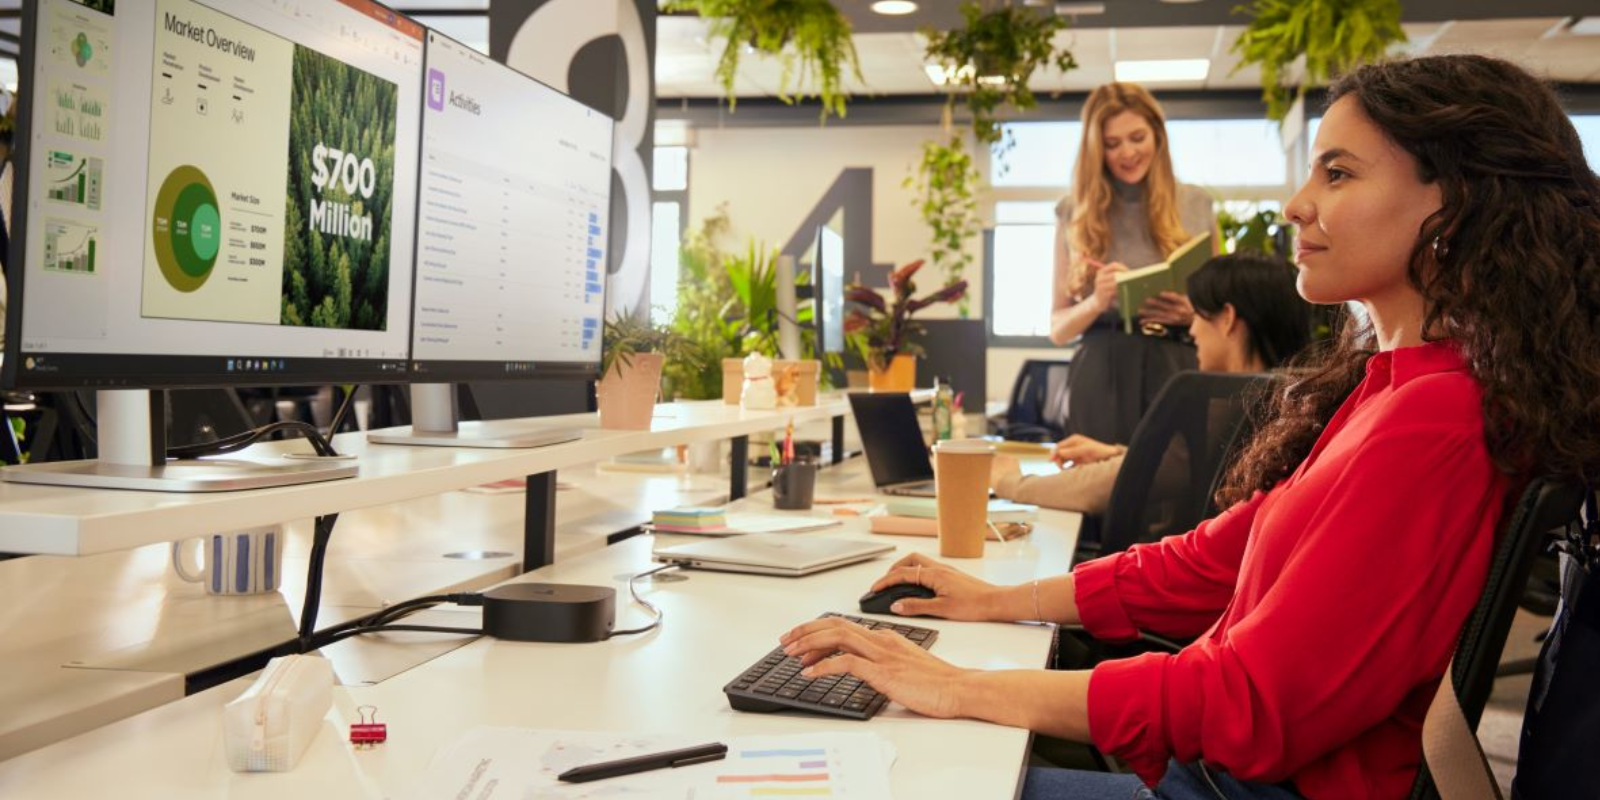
891,438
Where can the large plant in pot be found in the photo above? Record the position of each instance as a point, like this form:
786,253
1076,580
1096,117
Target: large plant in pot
630,370
882,331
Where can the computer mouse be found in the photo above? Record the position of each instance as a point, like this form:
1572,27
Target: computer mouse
879,602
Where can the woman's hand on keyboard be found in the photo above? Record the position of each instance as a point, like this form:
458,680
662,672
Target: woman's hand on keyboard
887,661
960,596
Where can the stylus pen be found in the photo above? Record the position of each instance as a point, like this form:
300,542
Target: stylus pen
628,766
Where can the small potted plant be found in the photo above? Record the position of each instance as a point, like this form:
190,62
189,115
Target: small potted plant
882,331
633,352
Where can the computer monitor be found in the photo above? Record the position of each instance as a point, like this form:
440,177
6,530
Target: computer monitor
512,221
213,193
828,279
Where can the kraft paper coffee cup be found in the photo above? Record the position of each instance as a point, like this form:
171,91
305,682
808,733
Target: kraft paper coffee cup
961,480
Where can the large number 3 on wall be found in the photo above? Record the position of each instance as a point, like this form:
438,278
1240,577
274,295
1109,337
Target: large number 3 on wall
544,46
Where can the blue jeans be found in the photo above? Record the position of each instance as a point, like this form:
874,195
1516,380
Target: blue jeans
1182,782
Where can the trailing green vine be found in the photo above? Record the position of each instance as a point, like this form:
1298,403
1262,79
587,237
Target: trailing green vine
993,56
946,182
989,60
1333,35
812,37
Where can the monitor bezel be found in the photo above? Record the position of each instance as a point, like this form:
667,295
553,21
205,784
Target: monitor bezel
143,370
461,371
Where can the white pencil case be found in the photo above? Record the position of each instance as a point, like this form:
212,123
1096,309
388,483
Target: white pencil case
269,727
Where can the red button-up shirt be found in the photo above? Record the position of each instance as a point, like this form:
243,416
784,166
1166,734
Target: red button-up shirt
1326,609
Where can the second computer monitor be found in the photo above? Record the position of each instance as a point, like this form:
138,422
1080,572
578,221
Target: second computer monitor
512,225
829,281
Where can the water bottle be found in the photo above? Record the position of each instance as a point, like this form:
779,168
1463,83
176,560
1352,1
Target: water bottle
941,410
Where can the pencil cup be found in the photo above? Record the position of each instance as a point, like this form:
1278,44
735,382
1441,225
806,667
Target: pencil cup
961,481
238,562
794,485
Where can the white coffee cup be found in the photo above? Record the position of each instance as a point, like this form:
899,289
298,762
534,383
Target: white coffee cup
238,562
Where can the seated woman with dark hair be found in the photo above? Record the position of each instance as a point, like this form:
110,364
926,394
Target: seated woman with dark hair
1247,318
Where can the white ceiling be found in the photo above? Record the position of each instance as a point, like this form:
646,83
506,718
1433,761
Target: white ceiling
892,63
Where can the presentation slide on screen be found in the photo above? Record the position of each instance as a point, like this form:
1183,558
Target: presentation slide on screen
235,112
514,192
219,178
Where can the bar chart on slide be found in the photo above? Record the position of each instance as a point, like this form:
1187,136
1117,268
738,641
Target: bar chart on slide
79,111
74,179
69,246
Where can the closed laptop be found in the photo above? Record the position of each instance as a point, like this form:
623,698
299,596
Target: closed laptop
770,554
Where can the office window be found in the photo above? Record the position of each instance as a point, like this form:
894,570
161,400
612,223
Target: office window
1024,237
8,74
1228,152
1043,155
671,169
666,220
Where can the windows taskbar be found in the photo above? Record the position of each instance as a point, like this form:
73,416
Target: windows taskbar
125,371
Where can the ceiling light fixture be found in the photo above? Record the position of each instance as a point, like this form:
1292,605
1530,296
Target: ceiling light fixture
1177,69
943,75
1077,8
894,8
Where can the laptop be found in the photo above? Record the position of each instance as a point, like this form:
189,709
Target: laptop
896,453
770,554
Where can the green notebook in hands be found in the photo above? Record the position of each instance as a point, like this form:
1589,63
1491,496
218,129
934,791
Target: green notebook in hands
1137,285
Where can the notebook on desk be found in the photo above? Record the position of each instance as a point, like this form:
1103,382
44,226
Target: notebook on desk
897,456
770,554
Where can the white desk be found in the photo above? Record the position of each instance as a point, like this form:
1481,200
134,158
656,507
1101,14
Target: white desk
666,681
142,630
68,521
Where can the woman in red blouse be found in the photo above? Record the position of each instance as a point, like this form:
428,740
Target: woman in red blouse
1449,198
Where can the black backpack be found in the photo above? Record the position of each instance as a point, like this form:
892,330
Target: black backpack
1561,729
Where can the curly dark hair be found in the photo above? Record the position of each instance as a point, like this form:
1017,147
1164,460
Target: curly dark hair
1514,279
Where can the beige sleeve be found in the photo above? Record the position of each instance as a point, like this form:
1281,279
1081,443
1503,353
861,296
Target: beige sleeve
1085,487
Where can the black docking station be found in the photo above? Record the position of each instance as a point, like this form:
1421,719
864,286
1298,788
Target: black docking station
549,612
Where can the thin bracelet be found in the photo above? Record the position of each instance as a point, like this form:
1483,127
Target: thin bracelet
1037,614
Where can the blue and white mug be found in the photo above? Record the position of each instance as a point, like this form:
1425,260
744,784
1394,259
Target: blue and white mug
238,562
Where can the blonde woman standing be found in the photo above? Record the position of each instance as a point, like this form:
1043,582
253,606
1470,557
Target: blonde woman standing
1125,211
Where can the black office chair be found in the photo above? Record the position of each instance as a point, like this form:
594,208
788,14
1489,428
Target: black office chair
1038,406
1162,489
1545,506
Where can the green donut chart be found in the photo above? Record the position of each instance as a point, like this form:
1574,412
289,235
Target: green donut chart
187,228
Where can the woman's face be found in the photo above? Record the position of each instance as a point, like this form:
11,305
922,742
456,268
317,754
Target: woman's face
1360,213
1130,144
1211,341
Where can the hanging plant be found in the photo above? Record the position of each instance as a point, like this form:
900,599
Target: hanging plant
811,36
946,182
1334,36
993,56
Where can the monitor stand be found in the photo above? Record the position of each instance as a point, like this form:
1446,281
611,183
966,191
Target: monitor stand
131,437
435,424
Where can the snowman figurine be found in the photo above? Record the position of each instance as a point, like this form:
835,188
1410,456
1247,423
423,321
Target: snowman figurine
759,392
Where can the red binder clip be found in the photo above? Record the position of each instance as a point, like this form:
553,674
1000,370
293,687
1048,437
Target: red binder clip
369,732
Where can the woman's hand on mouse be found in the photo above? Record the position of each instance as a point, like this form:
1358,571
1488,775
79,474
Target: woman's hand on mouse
959,595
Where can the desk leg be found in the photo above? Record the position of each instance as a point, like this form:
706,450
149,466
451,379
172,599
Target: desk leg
838,439
539,522
739,468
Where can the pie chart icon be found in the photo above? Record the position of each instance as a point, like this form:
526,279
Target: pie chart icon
186,228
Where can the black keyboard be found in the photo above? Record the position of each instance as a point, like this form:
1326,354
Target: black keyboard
775,684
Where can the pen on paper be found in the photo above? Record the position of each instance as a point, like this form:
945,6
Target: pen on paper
629,766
